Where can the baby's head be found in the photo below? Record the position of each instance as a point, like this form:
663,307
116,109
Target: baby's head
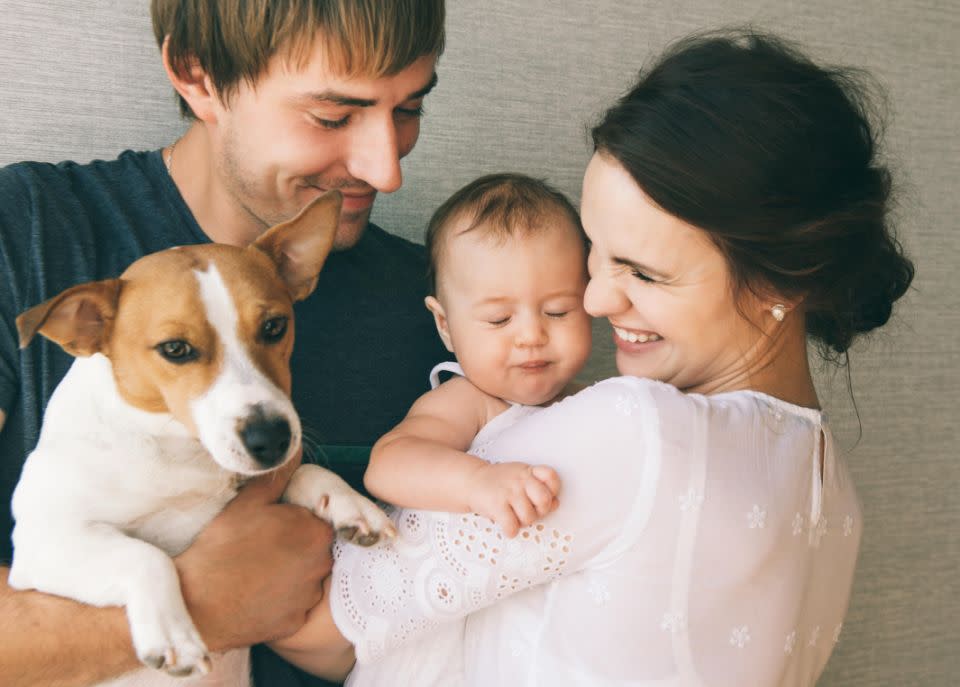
508,272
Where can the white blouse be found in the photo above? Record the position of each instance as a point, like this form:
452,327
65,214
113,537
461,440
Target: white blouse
696,543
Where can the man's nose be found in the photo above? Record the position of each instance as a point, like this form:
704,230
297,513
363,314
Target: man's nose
375,157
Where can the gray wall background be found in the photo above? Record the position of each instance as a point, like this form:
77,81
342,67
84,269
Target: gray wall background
519,83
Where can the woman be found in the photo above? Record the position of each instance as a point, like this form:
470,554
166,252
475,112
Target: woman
708,530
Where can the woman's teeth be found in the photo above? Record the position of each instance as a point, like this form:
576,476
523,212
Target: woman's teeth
636,338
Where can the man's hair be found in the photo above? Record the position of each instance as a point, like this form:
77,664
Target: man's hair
233,40
499,206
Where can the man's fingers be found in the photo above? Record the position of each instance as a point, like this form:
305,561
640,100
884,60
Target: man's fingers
266,488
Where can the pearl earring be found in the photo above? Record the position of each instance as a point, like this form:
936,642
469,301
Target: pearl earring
779,311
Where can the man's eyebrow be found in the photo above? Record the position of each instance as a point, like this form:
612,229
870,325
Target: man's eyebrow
349,101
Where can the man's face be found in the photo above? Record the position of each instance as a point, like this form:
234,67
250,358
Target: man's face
302,130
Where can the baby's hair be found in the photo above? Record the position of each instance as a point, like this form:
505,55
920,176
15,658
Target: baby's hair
500,206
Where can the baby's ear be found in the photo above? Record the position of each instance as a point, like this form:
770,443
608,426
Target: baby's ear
439,319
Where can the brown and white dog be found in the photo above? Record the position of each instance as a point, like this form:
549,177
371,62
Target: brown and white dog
179,393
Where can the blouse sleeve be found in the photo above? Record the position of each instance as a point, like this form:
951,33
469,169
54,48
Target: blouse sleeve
444,566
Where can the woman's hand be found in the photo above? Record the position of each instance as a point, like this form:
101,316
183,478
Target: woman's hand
318,647
513,495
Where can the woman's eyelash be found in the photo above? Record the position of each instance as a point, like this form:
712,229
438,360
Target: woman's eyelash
642,277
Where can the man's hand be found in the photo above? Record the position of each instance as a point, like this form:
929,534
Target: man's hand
513,495
257,569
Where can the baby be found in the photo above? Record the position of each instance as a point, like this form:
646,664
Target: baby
508,268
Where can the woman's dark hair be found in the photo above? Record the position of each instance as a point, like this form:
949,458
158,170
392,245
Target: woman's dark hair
739,134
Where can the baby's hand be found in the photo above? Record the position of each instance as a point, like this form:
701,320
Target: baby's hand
514,495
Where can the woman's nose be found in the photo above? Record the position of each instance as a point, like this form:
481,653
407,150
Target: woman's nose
603,297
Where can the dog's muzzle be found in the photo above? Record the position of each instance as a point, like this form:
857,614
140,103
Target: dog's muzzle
266,437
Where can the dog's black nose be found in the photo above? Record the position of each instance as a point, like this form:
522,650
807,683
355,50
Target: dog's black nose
266,438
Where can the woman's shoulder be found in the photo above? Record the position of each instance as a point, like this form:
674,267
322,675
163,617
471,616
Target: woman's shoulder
633,393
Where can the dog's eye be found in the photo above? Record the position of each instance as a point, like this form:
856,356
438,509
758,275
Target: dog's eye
177,351
273,329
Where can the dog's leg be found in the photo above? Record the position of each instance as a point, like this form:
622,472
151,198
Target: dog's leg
99,565
353,516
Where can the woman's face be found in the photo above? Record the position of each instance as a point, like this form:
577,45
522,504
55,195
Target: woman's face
664,287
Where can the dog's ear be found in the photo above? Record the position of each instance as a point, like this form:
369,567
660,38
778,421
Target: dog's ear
79,319
300,246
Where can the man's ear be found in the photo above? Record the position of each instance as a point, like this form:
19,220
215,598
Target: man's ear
439,319
79,319
193,84
300,246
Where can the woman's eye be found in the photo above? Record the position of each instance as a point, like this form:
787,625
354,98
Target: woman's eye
274,329
642,277
177,351
331,123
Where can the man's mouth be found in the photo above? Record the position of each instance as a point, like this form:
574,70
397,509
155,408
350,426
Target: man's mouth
353,201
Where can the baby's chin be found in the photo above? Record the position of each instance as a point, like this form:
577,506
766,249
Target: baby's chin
532,398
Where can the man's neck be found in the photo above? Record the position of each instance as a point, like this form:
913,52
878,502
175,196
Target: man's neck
191,166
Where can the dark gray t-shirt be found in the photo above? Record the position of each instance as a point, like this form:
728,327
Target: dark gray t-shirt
365,342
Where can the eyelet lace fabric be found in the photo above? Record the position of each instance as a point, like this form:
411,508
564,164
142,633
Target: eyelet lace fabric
697,543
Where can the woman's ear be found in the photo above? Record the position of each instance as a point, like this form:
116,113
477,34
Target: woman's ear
194,85
439,319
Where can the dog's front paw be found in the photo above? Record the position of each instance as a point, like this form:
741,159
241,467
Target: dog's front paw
355,518
168,641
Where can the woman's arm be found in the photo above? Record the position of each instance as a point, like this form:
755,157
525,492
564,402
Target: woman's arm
603,443
318,647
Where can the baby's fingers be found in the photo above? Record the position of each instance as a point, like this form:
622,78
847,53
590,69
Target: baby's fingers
523,509
540,496
507,520
549,477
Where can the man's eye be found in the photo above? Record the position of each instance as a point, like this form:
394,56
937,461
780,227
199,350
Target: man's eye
274,329
177,351
331,123
417,111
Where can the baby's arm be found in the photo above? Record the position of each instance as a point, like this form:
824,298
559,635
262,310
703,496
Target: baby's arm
422,463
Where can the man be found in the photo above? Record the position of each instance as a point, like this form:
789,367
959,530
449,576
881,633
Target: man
286,100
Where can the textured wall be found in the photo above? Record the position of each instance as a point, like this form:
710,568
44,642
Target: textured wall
519,83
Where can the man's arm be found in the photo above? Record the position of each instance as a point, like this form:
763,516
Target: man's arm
251,576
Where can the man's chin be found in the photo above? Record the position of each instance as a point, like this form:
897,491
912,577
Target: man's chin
350,230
